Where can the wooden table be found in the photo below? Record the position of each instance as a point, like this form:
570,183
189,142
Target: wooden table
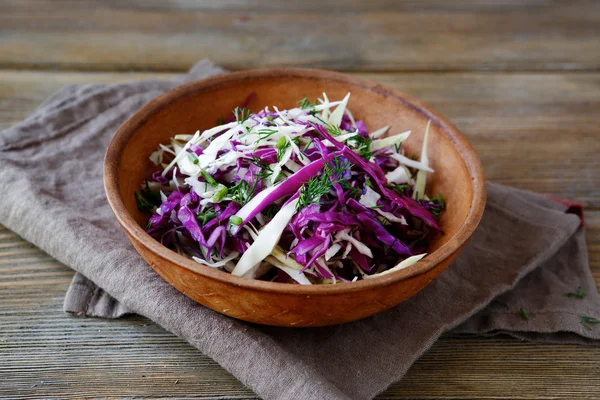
520,78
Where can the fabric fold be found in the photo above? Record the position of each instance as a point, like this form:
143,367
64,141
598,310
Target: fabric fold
528,252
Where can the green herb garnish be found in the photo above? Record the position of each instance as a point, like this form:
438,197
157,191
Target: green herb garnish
524,314
270,210
265,134
193,158
354,192
439,205
589,322
282,146
304,104
220,193
312,191
333,130
235,220
204,217
307,145
241,114
209,179
361,145
147,199
580,294
401,188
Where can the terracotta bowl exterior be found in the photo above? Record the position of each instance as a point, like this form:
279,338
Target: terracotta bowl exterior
198,105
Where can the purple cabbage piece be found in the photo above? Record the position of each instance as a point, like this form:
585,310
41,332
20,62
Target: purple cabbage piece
157,177
360,259
218,235
196,149
362,129
331,216
375,228
322,271
306,245
189,221
360,126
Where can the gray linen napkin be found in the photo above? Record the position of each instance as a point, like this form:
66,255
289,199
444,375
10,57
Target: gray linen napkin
526,254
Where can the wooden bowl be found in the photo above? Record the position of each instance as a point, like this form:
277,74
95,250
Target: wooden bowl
197,105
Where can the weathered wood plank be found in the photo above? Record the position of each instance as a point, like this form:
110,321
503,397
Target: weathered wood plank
377,35
538,131
48,354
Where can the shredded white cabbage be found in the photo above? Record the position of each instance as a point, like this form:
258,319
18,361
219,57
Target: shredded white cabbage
265,242
404,264
419,190
389,141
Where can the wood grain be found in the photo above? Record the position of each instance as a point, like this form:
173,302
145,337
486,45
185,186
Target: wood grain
536,131
45,353
379,35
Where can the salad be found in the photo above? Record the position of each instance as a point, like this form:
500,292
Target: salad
306,195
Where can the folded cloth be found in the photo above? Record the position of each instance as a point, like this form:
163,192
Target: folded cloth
511,278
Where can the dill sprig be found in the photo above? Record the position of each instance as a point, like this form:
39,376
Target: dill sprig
318,186
142,204
265,168
208,178
270,210
147,199
304,104
333,130
353,192
524,314
580,293
265,134
312,191
439,204
241,114
282,145
589,322
242,192
205,216
361,145
401,189
307,145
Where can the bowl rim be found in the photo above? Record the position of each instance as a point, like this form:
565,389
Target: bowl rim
128,223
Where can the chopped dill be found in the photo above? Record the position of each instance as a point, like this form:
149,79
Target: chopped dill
304,104
580,293
209,179
524,314
361,145
282,145
241,114
147,199
589,322
206,216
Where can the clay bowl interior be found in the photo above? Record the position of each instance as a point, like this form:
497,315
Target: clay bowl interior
198,105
